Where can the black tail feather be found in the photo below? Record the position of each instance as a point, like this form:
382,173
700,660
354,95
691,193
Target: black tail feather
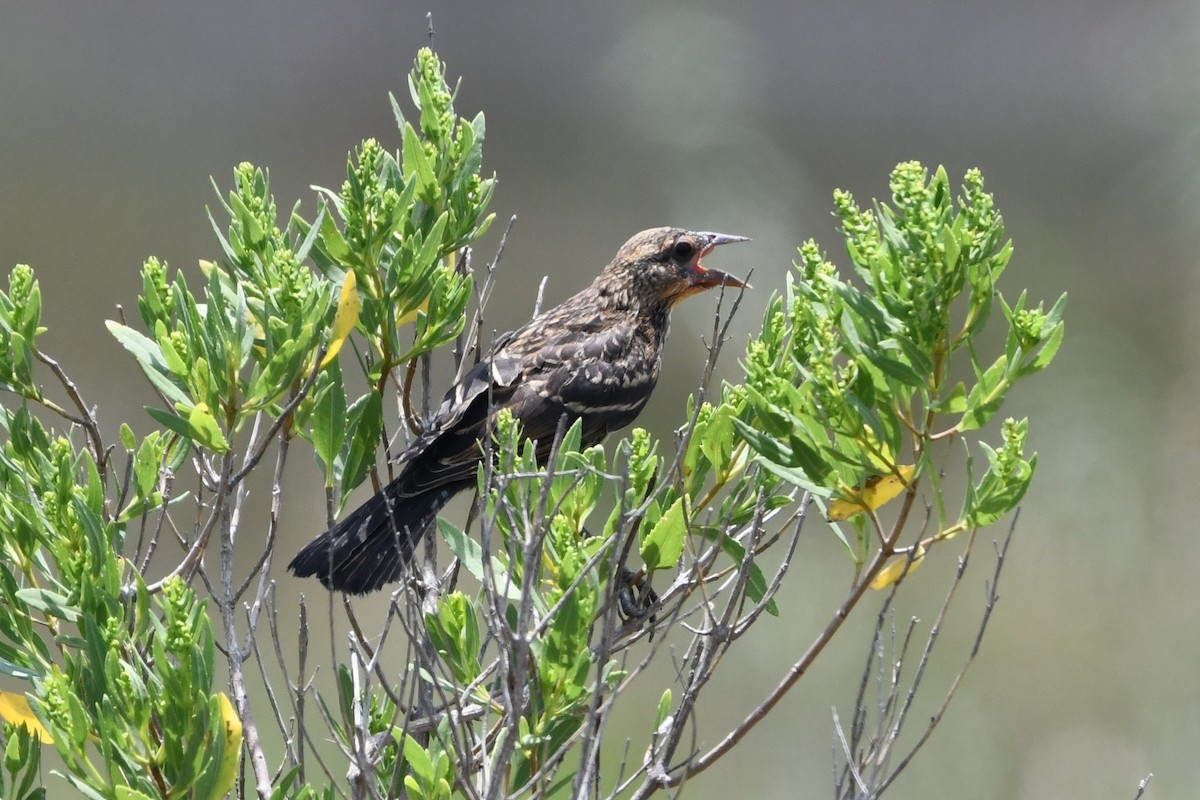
371,546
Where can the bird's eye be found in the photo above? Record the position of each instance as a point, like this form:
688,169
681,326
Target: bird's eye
683,250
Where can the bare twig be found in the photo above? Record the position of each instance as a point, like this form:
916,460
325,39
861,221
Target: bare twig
86,418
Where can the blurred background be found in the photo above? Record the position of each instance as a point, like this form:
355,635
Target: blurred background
613,117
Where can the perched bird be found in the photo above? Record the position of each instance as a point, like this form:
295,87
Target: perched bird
596,358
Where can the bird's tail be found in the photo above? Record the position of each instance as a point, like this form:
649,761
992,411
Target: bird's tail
373,545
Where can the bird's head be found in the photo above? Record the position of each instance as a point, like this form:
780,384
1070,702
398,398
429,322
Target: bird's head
662,265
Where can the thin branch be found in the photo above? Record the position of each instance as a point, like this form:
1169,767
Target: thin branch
991,597
87,419
236,656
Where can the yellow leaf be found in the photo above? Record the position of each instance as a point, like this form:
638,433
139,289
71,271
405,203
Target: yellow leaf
898,568
345,319
878,490
412,315
14,708
232,731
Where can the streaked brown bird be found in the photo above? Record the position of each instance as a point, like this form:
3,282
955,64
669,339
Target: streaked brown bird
594,358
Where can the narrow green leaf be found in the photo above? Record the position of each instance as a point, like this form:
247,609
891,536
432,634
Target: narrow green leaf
362,439
48,602
717,441
329,419
172,422
893,368
335,245
396,111
767,446
16,670
468,551
149,357
128,441
417,166
314,232
431,248
664,709
145,464
1047,352
794,476
126,793
175,362
418,760
985,397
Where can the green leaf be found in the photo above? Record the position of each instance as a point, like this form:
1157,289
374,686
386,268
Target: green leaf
397,112
362,438
418,761
953,403
139,506
329,419
178,455
986,396
84,789
252,233
756,581
281,370
767,446
454,630
126,793
172,422
994,496
334,244
145,464
794,476
175,362
663,545
431,248
48,602
16,670
150,358
470,553
205,430
717,441
893,368
664,709
1047,351
418,166
128,441
314,232
612,675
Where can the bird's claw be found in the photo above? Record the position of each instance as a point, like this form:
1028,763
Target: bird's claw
636,600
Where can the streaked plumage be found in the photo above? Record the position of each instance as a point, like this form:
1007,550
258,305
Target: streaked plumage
595,357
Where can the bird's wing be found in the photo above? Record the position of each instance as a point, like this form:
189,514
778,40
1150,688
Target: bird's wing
538,373
589,371
447,452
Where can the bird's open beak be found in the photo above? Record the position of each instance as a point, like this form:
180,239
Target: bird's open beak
701,277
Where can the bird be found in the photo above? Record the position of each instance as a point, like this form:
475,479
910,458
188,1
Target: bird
595,358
